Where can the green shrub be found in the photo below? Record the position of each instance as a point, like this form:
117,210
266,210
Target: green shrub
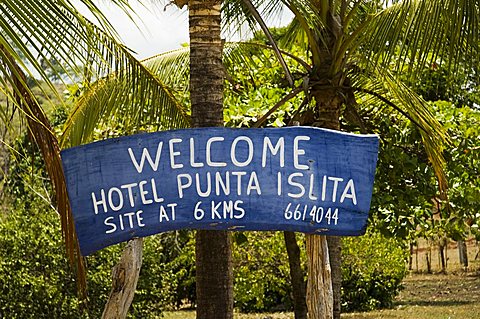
372,271
167,277
261,272
34,277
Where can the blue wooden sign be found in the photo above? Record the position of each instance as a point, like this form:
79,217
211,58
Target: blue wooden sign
298,179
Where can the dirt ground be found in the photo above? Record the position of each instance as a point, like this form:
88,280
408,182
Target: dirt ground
440,289
426,296
454,295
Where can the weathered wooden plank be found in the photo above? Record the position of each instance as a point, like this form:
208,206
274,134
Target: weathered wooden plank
124,281
296,179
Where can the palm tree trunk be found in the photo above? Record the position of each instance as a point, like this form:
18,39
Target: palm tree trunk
328,106
213,248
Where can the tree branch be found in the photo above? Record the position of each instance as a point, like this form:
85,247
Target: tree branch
264,27
390,103
287,97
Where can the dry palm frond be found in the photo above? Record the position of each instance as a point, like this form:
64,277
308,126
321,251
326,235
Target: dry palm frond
41,132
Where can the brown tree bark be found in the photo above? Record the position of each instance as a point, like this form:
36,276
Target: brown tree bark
297,276
328,105
462,253
410,257
214,278
206,69
442,248
428,256
335,254
416,258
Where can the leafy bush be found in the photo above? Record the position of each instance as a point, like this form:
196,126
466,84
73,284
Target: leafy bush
34,274
373,267
262,277
35,278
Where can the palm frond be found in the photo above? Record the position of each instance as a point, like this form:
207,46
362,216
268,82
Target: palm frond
36,30
413,33
237,13
171,68
383,86
294,36
42,133
271,41
57,34
154,99
244,53
123,103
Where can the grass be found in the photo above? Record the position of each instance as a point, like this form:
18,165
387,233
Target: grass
190,314
437,296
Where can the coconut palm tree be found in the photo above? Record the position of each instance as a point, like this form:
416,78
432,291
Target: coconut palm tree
357,48
55,33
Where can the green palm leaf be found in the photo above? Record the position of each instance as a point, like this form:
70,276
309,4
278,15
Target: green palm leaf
155,99
412,33
237,14
171,68
55,32
122,104
382,86
41,132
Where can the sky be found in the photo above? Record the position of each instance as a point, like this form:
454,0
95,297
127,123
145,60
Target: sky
159,28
